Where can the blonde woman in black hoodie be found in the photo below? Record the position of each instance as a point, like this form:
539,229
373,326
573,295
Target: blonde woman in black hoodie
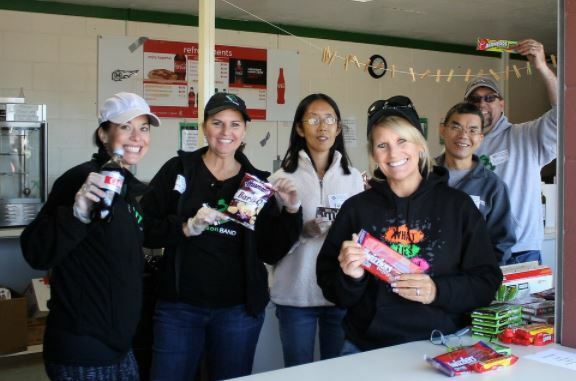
411,208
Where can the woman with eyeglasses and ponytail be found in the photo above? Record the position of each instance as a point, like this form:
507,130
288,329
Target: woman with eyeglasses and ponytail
410,208
316,161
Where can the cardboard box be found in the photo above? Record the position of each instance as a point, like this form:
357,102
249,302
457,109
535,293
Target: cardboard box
523,279
13,319
36,329
38,294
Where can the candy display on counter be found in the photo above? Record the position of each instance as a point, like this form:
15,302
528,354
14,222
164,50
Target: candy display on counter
529,334
539,310
382,261
491,45
488,322
248,200
477,358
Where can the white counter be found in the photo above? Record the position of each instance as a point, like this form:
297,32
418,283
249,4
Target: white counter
406,363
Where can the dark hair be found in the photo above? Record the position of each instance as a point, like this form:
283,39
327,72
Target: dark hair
105,126
465,108
297,142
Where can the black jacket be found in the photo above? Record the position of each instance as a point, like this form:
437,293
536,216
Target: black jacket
96,278
438,226
275,231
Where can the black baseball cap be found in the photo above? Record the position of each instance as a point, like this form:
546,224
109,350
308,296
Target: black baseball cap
224,101
397,105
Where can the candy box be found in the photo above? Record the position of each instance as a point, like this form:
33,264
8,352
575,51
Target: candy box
382,261
478,358
326,214
497,311
529,334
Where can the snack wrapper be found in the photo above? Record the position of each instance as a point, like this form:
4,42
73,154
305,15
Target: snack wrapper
478,358
326,214
490,45
382,261
529,334
249,200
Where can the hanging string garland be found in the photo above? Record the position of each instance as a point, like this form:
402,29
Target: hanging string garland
329,56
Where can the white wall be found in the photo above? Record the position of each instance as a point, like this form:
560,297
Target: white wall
54,59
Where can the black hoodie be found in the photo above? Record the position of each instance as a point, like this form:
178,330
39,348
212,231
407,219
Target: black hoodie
438,225
96,279
165,211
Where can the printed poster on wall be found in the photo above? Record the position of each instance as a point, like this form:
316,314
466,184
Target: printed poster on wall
188,136
119,66
267,80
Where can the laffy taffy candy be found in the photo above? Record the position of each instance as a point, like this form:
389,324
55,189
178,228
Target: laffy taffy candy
491,45
248,200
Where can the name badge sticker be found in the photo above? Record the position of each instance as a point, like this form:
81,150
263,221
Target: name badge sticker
499,157
336,200
180,184
476,200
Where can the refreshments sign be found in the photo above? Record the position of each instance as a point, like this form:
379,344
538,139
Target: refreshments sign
266,79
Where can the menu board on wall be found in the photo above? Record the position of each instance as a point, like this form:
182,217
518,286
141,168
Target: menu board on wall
266,79
171,77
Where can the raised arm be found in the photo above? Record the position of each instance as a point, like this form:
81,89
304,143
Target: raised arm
534,51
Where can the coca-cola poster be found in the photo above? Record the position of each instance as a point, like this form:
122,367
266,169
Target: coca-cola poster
266,79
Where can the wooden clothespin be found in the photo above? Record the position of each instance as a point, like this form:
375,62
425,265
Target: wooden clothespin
516,71
494,74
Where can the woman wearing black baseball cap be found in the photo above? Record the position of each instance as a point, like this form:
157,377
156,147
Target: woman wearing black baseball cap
213,284
410,208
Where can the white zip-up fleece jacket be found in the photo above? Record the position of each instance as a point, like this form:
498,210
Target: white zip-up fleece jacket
294,277
516,153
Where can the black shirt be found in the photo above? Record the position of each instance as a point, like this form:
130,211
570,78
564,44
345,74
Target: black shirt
214,275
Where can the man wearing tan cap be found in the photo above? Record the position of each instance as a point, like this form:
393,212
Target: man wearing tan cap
517,152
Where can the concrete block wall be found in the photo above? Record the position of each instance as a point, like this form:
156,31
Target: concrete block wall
54,59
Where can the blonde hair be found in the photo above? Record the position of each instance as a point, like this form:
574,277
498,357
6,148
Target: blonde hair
406,131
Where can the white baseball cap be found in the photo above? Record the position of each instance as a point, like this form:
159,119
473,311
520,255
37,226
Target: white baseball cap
123,107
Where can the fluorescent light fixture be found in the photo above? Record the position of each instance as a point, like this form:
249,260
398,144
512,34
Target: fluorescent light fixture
361,1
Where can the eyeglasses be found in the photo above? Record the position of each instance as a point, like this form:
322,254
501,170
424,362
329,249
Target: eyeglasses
400,103
315,121
486,98
451,342
457,129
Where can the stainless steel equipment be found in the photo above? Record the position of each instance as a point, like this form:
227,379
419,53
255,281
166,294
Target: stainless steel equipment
23,160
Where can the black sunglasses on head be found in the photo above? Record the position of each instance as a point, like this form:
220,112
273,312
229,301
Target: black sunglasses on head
397,103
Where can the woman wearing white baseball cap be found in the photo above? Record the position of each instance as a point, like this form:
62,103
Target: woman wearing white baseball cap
96,265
